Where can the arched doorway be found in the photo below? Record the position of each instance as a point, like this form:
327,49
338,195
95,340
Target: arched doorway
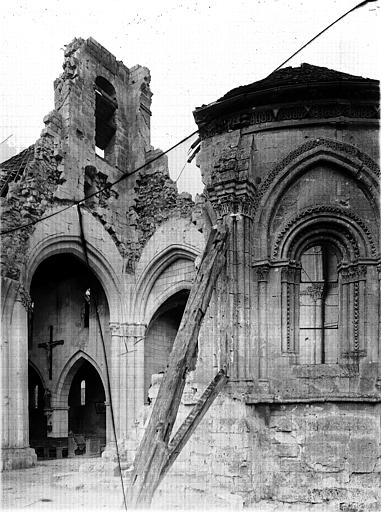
87,411
160,335
37,418
65,295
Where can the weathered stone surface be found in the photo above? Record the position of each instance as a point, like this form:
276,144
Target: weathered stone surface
298,426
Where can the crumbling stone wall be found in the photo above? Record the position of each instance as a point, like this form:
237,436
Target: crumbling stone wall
27,200
63,169
156,200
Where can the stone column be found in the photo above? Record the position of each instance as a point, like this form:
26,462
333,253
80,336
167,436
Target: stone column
114,370
237,351
290,283
262,273
378,354
135,334
316,291
16,453
354,311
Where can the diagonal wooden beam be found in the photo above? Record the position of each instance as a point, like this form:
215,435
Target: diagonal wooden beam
153,450
191,422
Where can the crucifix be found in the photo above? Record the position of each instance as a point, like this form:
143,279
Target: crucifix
49,347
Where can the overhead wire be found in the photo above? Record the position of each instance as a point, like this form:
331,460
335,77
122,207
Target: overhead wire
103,189
86,256
195,144
125,175
361,4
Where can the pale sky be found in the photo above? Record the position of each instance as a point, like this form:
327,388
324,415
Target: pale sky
196,51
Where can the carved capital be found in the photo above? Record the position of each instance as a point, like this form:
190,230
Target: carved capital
262,272
134,330
115,329
291,273
232,204
315,291
353,273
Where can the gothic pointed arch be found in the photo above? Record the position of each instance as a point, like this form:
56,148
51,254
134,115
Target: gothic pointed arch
106,263
162,326
161,262
61,392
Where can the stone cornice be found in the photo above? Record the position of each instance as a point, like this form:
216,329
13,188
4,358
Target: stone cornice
263,115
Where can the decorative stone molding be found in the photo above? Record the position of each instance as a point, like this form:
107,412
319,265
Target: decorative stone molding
353,273
227,203
25,299
115,329
290,279
291,273
353,313
315,291
135,330
310,145
356,314
288,113
329,209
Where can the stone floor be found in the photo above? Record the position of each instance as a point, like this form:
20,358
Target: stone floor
88,484
61,484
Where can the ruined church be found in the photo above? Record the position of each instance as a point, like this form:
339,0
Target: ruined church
291,161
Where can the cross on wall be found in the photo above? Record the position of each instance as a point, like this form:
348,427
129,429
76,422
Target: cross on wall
48,346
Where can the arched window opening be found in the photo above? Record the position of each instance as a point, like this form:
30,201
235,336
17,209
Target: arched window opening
87,413
83,392
319,305
105,107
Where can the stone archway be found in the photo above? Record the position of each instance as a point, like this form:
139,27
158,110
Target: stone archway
87,411
66,295
160,335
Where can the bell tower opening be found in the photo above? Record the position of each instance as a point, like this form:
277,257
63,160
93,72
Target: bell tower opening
105,126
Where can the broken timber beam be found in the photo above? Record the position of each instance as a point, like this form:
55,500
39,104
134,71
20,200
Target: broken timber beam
153,451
